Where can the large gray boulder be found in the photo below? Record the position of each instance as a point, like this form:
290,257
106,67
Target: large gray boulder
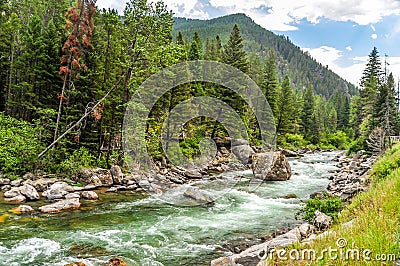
117,175
90,195
58,190
242,150
62,205
271,166
197,196
29,192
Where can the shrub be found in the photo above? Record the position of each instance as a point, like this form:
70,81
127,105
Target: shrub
330,205
19,146
77,160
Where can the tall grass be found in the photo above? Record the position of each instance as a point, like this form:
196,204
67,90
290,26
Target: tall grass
375,227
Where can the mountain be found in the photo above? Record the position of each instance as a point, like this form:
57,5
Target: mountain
299,65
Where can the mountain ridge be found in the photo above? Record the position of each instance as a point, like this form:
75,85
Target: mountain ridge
298,64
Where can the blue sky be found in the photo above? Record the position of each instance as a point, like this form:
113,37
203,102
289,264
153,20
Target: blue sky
338,33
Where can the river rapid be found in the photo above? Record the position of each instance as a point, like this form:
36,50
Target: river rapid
145,231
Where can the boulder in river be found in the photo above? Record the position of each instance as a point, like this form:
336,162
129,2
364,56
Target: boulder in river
29,192
16,199
90,195
242,150
271,166
116,262
198,196
76,264
12,193
62,205
23,209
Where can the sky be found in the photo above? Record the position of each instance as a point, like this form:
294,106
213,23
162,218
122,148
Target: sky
337,33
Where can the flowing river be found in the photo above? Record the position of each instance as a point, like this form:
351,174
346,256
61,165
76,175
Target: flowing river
144,231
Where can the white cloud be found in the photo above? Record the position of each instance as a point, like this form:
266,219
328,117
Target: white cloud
349,48
373,28
374,36
330,56
284,14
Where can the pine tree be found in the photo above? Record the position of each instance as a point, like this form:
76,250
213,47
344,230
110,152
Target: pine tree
234,54
308,118
195,52
286,108
179,39
269,84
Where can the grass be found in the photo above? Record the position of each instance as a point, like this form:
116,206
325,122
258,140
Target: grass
375,230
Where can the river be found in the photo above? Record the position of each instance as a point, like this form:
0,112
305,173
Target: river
144,231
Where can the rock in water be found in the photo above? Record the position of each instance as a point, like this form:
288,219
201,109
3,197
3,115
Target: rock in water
62,205
23,209
271,166
12,193
116,262
16,199
76,264
90,195
321,220
117,175
198,196
29,192
242,150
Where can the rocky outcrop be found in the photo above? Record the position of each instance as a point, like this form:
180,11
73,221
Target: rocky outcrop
197,196
351,179
242,150
20,194
271,166
62,205
90,195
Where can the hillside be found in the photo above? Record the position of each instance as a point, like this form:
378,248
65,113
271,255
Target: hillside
300,66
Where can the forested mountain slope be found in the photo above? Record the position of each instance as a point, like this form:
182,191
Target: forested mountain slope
291,60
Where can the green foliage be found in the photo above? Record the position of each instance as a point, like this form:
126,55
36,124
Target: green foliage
357,145
77,160
294,141
330,205
389,162
19,146
338,140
